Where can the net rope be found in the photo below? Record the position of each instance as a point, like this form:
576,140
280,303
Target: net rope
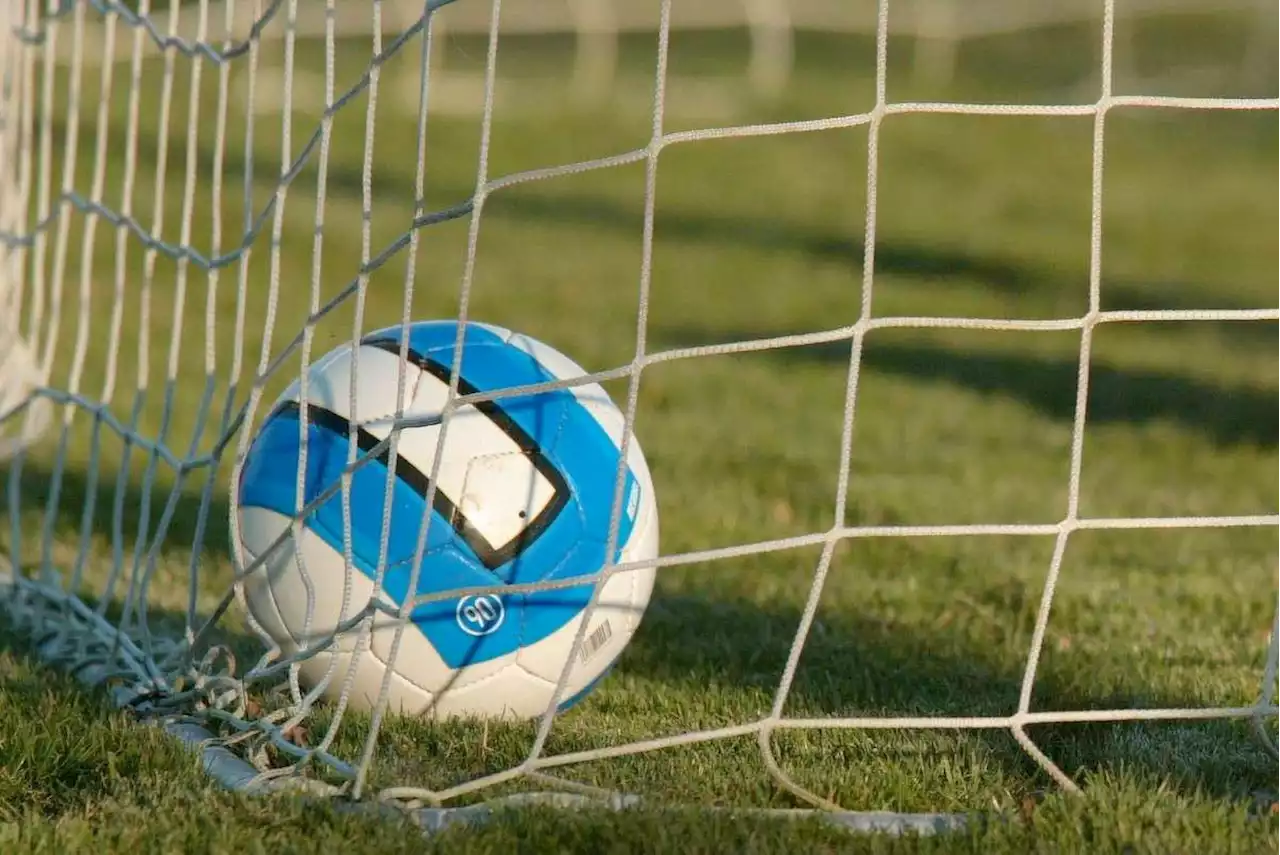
185,679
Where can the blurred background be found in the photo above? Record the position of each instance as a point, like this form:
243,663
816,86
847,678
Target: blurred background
752,49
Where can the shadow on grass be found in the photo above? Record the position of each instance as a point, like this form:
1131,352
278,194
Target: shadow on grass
855,663
1053,286
130,529
859,664
57,750
1228,415
79,487
893,257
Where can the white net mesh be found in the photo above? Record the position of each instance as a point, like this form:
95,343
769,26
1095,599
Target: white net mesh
146,151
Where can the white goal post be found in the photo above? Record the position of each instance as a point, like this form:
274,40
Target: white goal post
19,374
71,217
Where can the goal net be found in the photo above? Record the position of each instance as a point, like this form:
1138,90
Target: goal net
198,199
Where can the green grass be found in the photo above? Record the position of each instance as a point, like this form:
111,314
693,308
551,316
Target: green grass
985,217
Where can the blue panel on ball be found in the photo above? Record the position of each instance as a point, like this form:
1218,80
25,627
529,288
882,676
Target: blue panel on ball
269,481
469,630
575,442
565,430
587,457
426,336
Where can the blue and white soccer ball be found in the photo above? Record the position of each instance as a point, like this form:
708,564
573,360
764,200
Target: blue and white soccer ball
524,493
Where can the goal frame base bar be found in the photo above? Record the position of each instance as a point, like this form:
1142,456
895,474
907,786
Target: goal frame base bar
235,774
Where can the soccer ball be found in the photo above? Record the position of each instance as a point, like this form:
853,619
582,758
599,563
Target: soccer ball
524,493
